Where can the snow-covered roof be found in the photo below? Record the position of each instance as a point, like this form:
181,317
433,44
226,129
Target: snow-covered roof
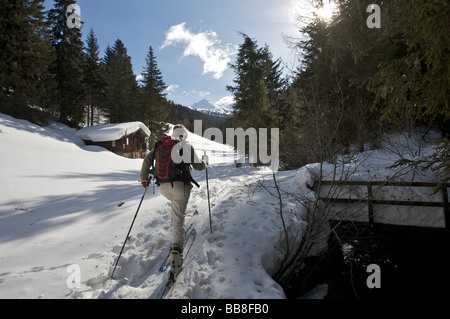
111,132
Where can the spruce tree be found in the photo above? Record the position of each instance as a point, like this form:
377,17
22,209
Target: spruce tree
155,111
414,86
25,78
360,81
68,67
276,86
121,90
250,90
257,89
93,79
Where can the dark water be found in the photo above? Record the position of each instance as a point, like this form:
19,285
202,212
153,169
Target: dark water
410,268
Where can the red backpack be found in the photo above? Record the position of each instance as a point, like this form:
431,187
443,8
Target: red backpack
165,169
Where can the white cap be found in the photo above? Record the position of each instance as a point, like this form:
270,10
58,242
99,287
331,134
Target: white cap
179,132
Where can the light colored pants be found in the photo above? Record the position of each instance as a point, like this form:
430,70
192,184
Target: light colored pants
179,197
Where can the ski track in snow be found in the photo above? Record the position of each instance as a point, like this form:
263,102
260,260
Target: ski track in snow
220,265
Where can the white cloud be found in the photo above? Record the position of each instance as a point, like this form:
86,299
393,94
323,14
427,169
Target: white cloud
205,45
195,92
201,93
171,88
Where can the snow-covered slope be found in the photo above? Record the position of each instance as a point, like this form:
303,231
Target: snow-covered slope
211,108
66,204
65,207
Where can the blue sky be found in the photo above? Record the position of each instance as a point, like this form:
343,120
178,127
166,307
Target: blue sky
192,39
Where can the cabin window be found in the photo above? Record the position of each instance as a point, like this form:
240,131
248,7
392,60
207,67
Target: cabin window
113,143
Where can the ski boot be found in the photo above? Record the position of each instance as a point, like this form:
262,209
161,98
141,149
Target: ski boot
176,261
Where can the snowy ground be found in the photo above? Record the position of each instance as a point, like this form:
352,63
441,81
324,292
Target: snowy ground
66,205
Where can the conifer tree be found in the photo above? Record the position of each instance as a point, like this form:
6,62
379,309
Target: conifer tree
414,86
68,67
93,78
121,90
25,78
250,90
257,87
155,110
370,79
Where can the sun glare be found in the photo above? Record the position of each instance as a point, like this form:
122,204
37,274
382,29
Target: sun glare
326,11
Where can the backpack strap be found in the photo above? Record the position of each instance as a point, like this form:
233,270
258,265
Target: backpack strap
152,166
186,175
194,182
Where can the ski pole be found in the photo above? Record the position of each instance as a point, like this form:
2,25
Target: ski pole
209,204
126,238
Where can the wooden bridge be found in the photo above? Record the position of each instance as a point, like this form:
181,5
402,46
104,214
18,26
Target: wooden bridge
413,208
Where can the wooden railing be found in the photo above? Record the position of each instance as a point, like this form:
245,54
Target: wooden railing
370,201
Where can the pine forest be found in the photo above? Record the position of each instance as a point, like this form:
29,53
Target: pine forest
353,82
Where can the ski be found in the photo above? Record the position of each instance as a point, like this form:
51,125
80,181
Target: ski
191,221
172,276
165,263
190,241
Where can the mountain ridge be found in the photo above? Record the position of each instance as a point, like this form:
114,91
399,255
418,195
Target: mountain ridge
211,108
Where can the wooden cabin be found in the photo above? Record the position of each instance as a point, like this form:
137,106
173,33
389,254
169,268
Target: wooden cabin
125,139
